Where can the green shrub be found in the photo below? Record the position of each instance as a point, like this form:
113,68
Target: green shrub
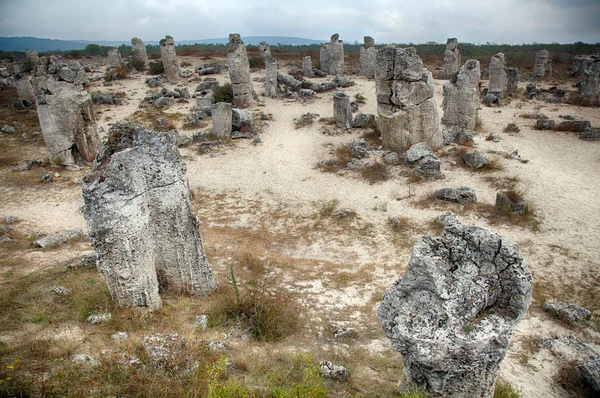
156,68
256,62
139,65
223,93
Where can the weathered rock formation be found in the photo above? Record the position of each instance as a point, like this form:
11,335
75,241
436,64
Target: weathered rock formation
139,51
512,80
264,50
114,58
239,72
140,219
169,59
67,119
405,105
497,71
543,64
24,89
271,78
451,58
307,69
342,112
461,96
452,314
33,57
222,120
332,56
577,66
590,88
368,53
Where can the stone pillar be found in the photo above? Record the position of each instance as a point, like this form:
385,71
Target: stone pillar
114,58
543,64
169,59
239,72
452,314
497,71
42,66
512,80
324,57
140,219
139,51
368,53
451,58
342,112
336,46
590,88
222,116
307,69
264,50
33,57
407,112
577,68
461,96
67,119
24,89
271,78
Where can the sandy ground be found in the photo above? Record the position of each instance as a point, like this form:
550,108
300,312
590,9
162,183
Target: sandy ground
560,179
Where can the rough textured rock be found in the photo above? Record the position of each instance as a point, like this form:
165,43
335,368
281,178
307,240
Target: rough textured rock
211,68
114,58
570,313
264,50
544,124
24,89
407,112
59,238
289,81
512,80
307,69
590,371
452,314
332,56
507,203
67,119
590,135
222,116
492,100
363,120
239,72
590,87
342,113
271,87
139,51
474,159
458,135
576,126
33,57
457,195
169,59
543,64
204,99
417,152
461,96
497,71
140,218
451,58
577,66
331,371
241,119
368,54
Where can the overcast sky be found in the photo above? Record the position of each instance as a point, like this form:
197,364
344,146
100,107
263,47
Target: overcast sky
400,21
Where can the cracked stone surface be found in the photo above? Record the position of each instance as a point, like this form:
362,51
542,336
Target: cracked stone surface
239,72
140,218
169,58
461,96
452,314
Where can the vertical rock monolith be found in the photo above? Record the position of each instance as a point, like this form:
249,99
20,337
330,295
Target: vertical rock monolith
452,314
497,71
512,80
543,65
342,112
407,112
140,56
368,54
590,87
461,96
332,56
239,72
271,78
451,58
114,58
140,219
222,117
169,59
307,68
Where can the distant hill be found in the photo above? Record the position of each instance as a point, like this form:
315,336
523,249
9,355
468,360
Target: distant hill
43,45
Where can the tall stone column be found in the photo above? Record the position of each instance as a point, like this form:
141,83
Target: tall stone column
497,71
342,112
139,51
512,80
114,58
461,96
543,64
307,68
451,58
368,53
407,112
271,78
141,221
590,88
239,72
222,117
169,59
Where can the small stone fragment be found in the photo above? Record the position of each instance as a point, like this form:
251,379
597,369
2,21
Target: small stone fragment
331,371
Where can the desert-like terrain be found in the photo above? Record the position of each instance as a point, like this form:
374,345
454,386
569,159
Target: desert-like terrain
268,209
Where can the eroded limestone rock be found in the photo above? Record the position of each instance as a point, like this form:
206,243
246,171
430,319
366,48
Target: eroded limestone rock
239,72
461,96
139,51
590,88
24,89
543,64
307,69
407,112
271,87
169,59
368,54
264,50
140,219
342,113
512,80
452,314
114,58
451,58
497,71
332,56
222,117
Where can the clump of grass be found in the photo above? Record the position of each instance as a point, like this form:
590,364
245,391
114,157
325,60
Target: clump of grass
378,172
328,207
116,74
512,128
139,65
360,99
223,93
504,390
256,62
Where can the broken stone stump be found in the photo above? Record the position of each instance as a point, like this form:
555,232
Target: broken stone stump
24,89
407,111
368,54
222,116
497,71
451,58
239,72
461,97
114,58
342,112
544,124
512,80
572,314
590,87
543,65
271,87
307,69
264,50
452,314
507,202
139,51
58,238
67,119
169,59
140,218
